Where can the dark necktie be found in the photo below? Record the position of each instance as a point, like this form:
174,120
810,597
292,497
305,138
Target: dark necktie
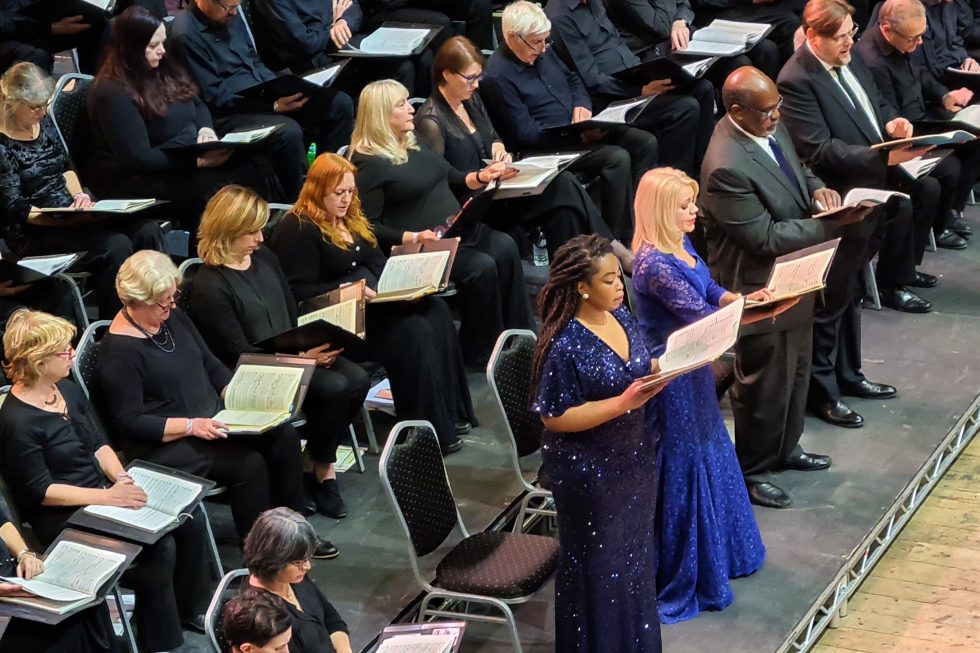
852,95
784,164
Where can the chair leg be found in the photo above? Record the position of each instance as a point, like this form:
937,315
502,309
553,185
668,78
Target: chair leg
931,243
369,428
127,627
216,565
441,612
872,286
77,297
356,446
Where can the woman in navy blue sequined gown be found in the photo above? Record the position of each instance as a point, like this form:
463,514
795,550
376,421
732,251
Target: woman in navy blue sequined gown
601,462
706,529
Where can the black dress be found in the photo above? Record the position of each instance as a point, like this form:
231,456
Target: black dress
41,448
415,341
416,196
564,210
132,155
32,174
141,386
313,625
236,308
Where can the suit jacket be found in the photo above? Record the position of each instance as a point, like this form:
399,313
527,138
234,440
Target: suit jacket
752,214
828,133
648,22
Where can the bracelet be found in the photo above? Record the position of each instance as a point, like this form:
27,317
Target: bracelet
25,552
123,474
478,180
275,106
189,427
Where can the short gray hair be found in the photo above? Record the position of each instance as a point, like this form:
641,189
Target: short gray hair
523,18
279,536
23,83
145,277
896,12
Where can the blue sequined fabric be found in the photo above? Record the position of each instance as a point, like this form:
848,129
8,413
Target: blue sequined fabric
604,483
706,530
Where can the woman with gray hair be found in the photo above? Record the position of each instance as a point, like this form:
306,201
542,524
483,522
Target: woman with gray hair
35,173
160,385
278,551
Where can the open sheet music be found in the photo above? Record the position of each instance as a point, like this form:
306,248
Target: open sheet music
800,272
324,77
392,41
534,173
73,574
953,137
417,644
920,166
260,397
726,37
699,343
623,111
411,276
166,498
861,198
106,206
49,265
343,307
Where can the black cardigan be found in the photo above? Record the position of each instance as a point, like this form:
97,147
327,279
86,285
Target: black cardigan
439,128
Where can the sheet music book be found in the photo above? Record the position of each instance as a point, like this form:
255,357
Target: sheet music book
725,38
621,112
343,307
698,343
450,245
967,119
921,166
949,138
411,276
417,644
473,211
682,75
106,206
167,498
534,173
35,268
231,141
860,198
288,84
326,76
800,272
406,638
261,397
392,40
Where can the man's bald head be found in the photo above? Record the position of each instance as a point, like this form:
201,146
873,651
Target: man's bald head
752,101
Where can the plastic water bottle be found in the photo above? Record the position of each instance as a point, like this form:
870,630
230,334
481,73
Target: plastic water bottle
539,249
311,155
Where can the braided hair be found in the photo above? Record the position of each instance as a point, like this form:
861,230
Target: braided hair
575,261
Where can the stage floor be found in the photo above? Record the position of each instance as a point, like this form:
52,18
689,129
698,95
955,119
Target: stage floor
933,360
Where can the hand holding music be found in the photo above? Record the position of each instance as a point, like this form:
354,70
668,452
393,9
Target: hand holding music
639,392
680,35
970,65
755,314
899,155
826,199
213,158
340,33
899,128
580,113
957,99
206,135
290,103
656,87
208,429
125,494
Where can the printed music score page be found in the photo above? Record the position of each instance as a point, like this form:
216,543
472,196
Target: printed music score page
166,497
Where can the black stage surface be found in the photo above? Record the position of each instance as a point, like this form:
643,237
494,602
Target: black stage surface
933,359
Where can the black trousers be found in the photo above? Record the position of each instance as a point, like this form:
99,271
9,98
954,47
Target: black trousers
492,295
334,397
611,165
908,227
682,124
969,160
260,472
417,344
40,50
284,149
106,245
476,13
772,373
88,631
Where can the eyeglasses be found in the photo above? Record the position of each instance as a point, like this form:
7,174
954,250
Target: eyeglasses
35,108
171,303
66,354
911,39
840,38
472,79
299,564
535,49
228,10
769,114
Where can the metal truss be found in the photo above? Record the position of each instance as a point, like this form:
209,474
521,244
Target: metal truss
831,606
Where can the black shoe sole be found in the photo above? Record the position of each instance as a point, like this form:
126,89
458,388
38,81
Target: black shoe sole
326,556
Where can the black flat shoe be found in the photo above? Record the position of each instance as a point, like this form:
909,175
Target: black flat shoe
949,240
463,427
309,503
196,624
452,447
961,228
906,301
838,414
807,462
325,550
869,390
328,499
923,280
768,495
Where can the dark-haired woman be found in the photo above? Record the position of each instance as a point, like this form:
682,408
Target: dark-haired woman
601,459
454,124
144,111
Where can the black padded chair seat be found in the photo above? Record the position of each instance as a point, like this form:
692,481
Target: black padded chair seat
497,564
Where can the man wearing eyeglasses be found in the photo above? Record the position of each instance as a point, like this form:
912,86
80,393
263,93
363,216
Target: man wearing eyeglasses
942,43
911,91
834,113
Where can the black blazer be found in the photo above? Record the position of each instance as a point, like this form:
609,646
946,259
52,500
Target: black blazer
828,134
439,128
752,214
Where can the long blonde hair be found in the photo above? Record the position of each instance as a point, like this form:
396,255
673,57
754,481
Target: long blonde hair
324,176
658,199
23,83
232,212
372,132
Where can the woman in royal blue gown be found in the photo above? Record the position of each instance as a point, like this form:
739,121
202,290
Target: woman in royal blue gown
705,526
601,461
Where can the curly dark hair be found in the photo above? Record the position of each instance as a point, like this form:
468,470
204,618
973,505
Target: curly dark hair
153,90
575,261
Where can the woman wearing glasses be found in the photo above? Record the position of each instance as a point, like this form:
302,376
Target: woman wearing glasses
277,553
55,460
161,385
35,173
454,124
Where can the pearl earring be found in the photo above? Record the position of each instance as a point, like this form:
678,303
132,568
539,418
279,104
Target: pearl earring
585,295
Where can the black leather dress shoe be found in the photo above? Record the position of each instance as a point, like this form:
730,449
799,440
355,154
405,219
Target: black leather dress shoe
452,447
838,414
923,280
807,462
463,427
962,228
196,623
325,550
904,300
950,240
869,390
768,495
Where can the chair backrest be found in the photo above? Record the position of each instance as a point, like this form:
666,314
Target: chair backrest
70,115
245,10
87,354
414,476
509,377
228,586
186,272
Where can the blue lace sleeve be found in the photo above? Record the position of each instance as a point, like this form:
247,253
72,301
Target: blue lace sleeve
657,278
